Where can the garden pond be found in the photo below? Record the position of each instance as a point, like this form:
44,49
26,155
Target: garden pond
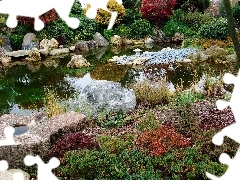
24,86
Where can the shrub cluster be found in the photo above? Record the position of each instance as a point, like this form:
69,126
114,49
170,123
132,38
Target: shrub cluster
216,29
157,10
72,141
159,141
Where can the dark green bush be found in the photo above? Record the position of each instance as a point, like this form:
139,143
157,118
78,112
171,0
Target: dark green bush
141,29
216,29
186,164
124,31
87,164
172,27
16,41
130,17
192,5
236,13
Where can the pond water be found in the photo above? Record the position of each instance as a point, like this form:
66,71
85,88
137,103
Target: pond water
23,86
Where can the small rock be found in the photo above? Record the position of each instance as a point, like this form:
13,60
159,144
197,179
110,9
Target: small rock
149,41
49,44
34,55
77,61
187,60
178,37
116,40
72,48
127,41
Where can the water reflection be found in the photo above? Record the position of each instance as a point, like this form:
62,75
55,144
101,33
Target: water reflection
22,87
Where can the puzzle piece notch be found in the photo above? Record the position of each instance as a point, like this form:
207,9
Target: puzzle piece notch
38,7
232,172
44,170
4,167
9,140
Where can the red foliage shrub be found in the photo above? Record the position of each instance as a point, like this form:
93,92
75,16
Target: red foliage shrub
46,18
157,10
72,141
159,141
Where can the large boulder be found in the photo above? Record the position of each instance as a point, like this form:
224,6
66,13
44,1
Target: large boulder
5,43
85,45
77,61
30,42
101,97
100,40
40,134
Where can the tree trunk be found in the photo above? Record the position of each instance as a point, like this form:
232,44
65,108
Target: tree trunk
232,30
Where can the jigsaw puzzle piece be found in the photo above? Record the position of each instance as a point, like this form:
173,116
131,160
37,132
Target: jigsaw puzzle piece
4,167
44,170
9,140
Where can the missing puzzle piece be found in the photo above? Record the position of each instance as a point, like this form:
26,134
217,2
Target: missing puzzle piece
15,176
44,170
9,140
35,8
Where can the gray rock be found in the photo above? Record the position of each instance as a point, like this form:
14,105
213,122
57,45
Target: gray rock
5,43
85,45
103,97
19,53
30,42
56,52
41,135
100,40
8,174
178,37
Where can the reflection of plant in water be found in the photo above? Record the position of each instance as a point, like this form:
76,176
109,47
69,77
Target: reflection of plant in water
110,72
51,103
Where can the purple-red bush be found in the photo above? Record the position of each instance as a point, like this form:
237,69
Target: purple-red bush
157,10
72,141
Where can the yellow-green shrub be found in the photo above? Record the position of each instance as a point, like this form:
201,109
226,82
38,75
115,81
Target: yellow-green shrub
103,16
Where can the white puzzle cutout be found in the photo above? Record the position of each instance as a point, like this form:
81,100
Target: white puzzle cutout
62,7
232,131
9,140
35,8
44,170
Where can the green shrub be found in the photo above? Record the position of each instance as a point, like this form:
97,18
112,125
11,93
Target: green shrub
16,41
87,164
116,144
192,5
186,164
124,31
140,29
172,27
236,13
130,17
216,29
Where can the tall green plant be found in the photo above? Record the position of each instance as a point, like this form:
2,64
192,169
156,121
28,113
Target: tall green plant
231,26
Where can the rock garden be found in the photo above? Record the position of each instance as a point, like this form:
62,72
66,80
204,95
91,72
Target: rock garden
133,102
